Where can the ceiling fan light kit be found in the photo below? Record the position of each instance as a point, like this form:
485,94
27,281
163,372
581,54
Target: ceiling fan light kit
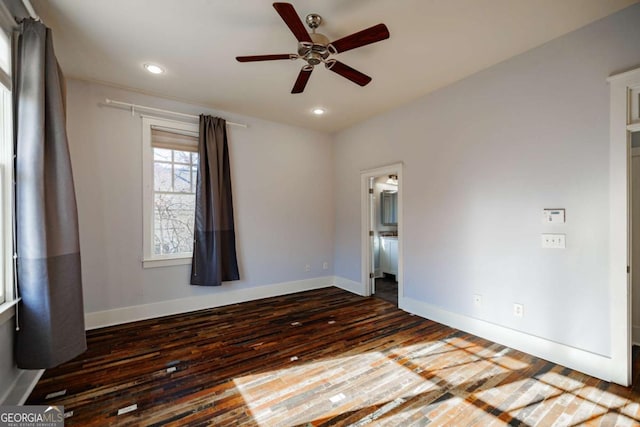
315,48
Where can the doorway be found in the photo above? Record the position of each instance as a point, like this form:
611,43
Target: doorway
382,233
635,236
624,119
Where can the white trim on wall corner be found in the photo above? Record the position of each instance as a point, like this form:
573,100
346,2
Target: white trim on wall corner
350,286
134,313
581,360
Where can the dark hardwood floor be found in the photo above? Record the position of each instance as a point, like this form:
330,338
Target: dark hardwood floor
320,358
387,289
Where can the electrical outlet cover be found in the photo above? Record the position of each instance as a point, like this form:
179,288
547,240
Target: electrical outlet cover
518,310
553,241
477,300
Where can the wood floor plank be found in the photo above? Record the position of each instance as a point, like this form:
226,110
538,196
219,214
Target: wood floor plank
320,358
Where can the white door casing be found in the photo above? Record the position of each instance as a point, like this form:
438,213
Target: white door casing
366,220
372,238
624,118
635,245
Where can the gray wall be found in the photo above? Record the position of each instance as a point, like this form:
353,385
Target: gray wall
482,158
282,195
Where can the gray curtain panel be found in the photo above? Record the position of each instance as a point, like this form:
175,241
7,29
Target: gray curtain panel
214,248
51,312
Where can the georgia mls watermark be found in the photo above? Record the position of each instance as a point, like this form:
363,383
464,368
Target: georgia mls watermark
32,416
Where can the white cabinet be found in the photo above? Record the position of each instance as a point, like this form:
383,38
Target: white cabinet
389,255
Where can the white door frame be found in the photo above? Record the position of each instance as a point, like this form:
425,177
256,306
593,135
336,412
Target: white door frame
621,127
633,212
365,221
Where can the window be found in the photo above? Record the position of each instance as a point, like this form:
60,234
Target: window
174,196
7,293
170,170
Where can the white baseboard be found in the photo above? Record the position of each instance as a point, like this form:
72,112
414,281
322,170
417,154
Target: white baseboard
581,360
134,313
19,391
349,285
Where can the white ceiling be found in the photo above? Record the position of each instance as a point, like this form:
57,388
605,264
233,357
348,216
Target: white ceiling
433,43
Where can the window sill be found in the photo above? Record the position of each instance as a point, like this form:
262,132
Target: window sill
166,261
7,310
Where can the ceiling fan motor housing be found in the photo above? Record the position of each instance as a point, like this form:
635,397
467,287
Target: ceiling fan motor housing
316,52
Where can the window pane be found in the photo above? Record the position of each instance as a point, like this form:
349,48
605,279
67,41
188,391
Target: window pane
182,156
182,178
173,223
162,154
162,176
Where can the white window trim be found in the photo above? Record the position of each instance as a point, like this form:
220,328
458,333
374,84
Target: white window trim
150,260
6,200
7,310
9,296
7,25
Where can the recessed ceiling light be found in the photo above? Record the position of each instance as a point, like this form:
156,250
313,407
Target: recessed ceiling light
318,111
154,69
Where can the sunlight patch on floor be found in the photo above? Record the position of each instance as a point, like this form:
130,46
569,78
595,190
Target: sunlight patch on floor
416,409
321,389
560,399
399,383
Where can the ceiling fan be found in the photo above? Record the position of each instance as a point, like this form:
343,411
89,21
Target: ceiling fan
315,48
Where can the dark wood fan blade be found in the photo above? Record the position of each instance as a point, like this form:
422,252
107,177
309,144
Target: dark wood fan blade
301,81
349,73
263,57
361,38
291,18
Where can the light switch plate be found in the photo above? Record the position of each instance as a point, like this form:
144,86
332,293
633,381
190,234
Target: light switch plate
554,241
